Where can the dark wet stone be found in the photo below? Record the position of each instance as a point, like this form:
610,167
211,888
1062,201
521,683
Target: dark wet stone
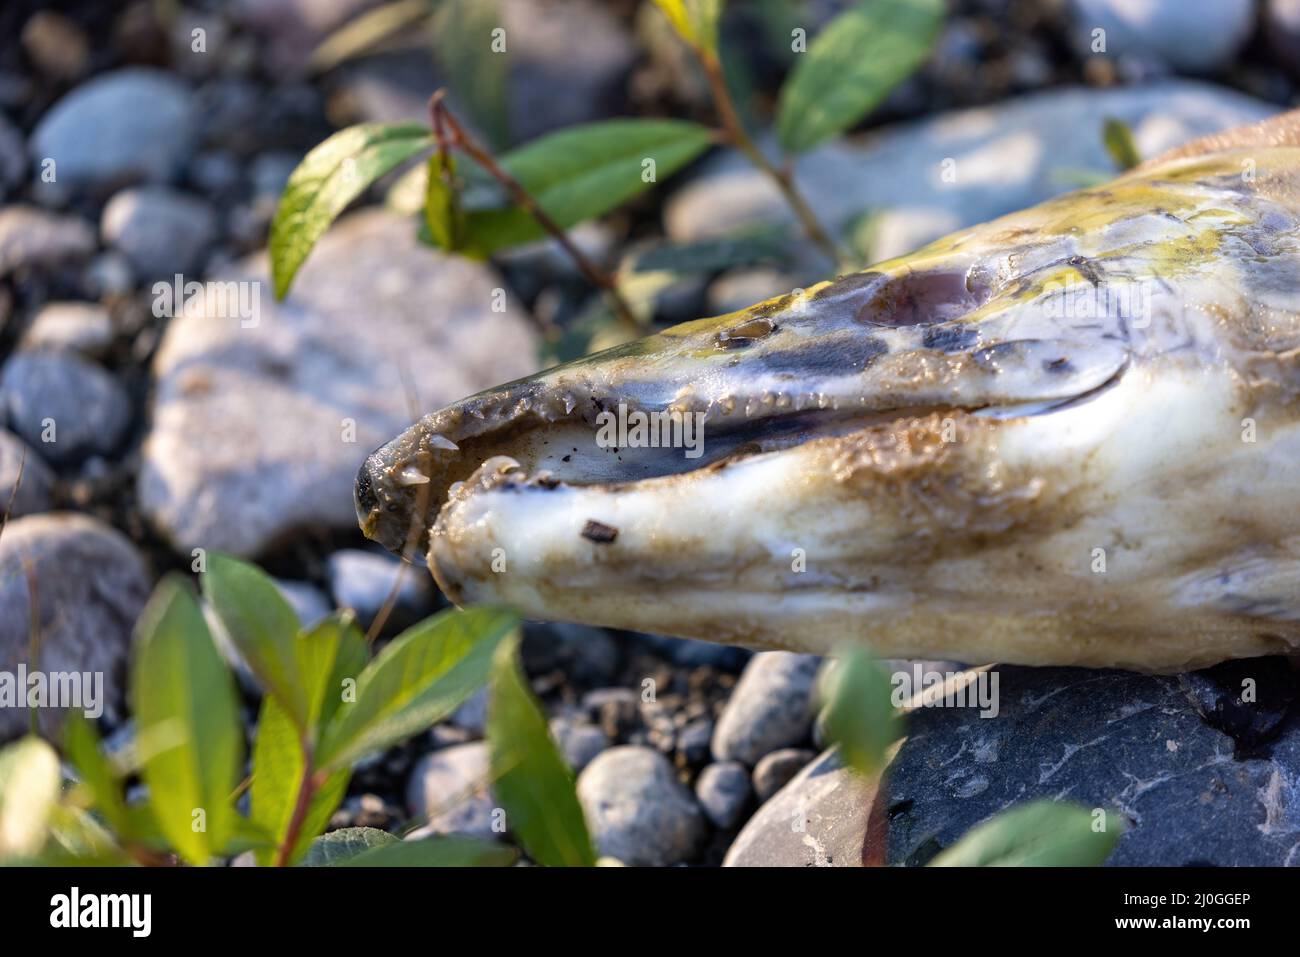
1246,699
1134,744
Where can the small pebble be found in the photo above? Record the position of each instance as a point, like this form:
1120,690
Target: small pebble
774,770
723,791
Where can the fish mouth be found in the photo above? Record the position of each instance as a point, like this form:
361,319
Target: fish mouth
591,487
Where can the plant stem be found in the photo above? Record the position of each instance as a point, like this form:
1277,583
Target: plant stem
449,132
739,137
306,790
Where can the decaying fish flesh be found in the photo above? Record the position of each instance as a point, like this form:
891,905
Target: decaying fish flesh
1067,436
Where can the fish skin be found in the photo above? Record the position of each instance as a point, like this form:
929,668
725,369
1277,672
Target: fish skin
1068,436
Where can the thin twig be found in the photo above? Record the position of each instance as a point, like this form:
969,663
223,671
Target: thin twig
13,492
34,632
448,132
386,609
739,137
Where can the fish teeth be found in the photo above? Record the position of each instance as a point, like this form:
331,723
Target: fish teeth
411,476
499,465
436,441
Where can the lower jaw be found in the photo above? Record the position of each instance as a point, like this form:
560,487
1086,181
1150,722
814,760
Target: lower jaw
1144,637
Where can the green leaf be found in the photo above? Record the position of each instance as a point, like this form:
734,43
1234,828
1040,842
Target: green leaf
851,66
29,791
696,21
187,723
442,207
262,626
421,676
337,846
247,836
367,32
278,766
530,779
476,73
579,173
859,715
444,851
1118,138
1038,834
77,839
329,177
331,656
82,747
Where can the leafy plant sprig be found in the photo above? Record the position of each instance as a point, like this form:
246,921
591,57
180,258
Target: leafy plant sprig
478,203
324,708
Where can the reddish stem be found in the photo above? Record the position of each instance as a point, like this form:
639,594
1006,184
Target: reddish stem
448,132
306,791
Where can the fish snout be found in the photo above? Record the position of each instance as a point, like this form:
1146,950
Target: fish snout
387,511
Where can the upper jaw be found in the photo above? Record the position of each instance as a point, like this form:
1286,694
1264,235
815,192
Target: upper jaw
939,330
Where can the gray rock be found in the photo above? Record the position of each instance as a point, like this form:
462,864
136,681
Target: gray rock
694,741
775,770
819,819
569,63
83,327
31,238
771,707
86,407
56,45
447,735
1007,157
161,231
637,810
13,157
1282,28
387,88
742,288
292,29
215,172
1195,36
131,124
472,714
34,492
579,741
90,585
904,674
589,656
309,603
1133,744
449,790
269,172
691,653
616,710
723,791
362,580
108,275
259,428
